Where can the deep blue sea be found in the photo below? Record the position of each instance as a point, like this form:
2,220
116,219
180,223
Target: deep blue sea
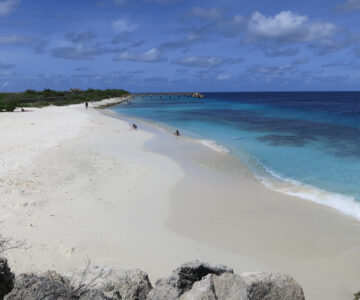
300,143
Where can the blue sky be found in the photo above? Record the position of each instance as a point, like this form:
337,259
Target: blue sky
180,45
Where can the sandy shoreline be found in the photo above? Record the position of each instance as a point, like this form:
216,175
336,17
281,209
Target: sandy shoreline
77,184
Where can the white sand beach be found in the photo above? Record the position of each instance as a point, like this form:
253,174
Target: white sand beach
78,184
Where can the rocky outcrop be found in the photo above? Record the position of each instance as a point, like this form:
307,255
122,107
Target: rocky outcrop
6,278
46,287
130,284
183,278
191,281
270,286
227,286
114,285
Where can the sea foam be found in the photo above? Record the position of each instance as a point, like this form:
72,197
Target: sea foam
214,146
343,203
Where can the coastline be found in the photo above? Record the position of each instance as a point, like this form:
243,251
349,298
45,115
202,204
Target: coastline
146,199
346,204
283,232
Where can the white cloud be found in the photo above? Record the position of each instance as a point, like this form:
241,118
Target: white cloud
206,61
16,40
4,84
223,77
123,25
350,5
162,1
121,2
8,6
80,52
288,27
152,55
212,13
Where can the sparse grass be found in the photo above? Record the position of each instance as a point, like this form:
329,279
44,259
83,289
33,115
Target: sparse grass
9,244
77,287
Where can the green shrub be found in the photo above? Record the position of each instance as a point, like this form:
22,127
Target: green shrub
10,105
50,97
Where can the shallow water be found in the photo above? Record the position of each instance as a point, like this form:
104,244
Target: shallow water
304,144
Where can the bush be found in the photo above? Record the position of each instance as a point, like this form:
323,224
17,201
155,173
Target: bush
8,102
11,105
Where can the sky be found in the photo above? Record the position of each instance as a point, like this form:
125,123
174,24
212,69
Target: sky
180,45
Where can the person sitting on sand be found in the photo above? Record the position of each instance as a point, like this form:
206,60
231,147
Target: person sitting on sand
86,105
134,126
22,109
177,133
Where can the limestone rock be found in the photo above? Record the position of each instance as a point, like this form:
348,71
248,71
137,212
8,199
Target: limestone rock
227,286
129,285
94,295
6,278
272,286
201,290
33,287
163,291
183,278
230,286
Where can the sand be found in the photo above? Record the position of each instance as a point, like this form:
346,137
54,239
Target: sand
78,184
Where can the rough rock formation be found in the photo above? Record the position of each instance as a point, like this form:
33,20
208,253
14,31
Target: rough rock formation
227,286
270,286
183,278
191,281
130,284
6,278
47,287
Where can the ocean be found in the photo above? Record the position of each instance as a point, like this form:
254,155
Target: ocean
300,143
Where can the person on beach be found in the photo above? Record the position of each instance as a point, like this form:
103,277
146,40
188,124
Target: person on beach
134,126
86,105
177,133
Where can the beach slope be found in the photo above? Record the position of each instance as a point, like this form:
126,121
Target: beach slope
78,184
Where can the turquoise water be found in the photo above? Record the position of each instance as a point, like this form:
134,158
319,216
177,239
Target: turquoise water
304,144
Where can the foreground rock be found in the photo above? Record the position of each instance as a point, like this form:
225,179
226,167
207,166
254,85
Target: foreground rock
130,284
191,281
227,286
114,285
183,278
357,296
271,286
47,287
6,278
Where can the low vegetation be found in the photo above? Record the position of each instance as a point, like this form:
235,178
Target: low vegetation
31,98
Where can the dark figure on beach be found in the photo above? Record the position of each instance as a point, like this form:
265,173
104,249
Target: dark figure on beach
22,109
134,126
86,105
177,133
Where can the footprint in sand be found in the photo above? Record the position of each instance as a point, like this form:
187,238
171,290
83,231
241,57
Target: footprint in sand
66,251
